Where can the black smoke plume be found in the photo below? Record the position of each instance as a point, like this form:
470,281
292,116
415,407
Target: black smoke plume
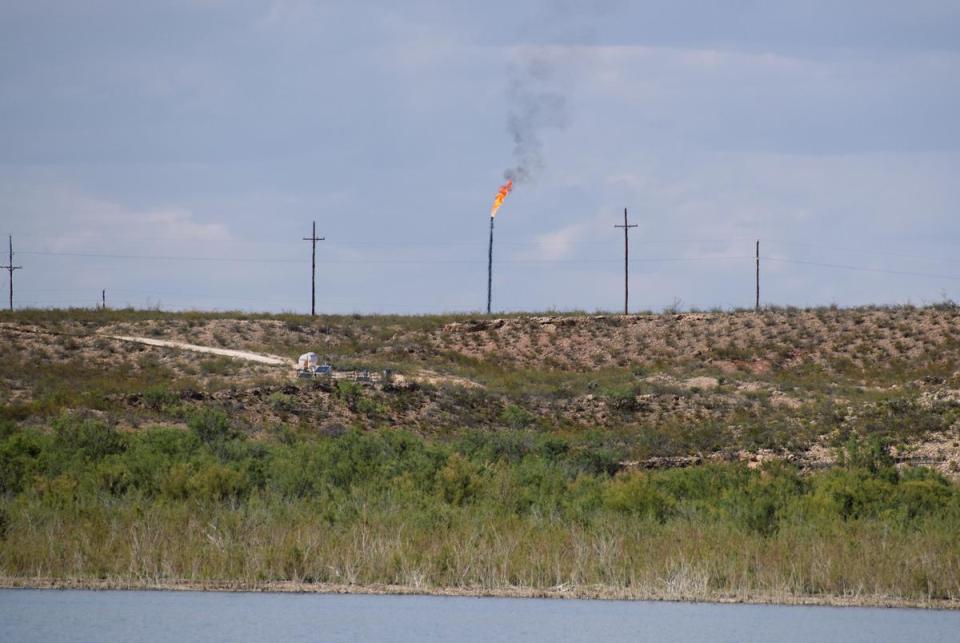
536,104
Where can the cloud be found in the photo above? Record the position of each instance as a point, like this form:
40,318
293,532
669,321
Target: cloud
724,99
560,243
94,223
175,224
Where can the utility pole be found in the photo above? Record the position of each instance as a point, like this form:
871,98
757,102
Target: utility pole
10,268
757,305
103,299
313,238
626,261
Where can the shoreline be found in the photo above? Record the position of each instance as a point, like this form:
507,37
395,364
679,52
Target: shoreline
554,593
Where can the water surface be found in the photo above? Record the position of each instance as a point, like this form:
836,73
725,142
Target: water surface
107,616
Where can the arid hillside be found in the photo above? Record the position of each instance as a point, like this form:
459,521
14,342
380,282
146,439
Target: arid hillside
651,390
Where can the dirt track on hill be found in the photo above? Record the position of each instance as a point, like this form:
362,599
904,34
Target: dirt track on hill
423,376
273,360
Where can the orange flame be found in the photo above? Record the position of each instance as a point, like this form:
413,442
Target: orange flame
501,195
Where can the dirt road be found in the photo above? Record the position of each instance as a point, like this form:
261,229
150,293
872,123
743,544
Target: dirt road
423,376
273,360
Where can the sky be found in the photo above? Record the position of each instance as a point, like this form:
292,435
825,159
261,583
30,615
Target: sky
176,153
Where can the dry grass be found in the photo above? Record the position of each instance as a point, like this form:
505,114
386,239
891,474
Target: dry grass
255,546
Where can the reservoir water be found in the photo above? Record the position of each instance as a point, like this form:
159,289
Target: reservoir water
106,616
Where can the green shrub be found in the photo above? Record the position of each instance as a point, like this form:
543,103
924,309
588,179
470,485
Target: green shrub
371,408
872,454
113,476
349,392
597,461
293,471
765,499
20,460
704,485
175,483
516,417
492,446
158,396
921,498
552,447
458,482
622,398
151,454
583,497
7,427
215,482
218,366
281,402
87,439
59,491
634,493
850,494
211,426
534,485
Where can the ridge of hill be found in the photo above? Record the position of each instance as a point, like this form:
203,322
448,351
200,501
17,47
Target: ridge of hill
658,390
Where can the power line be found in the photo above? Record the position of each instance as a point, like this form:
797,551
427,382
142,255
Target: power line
865,269
188,303
366,261
518,244
430,261
157,257
879,253
476,261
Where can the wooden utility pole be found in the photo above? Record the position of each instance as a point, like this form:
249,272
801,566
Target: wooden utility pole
757,305
103,299
626,262
313,238
10,268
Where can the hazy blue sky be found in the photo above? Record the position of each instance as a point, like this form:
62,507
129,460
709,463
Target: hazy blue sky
219,130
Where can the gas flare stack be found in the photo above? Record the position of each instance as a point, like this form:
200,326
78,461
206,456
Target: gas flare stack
497,202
